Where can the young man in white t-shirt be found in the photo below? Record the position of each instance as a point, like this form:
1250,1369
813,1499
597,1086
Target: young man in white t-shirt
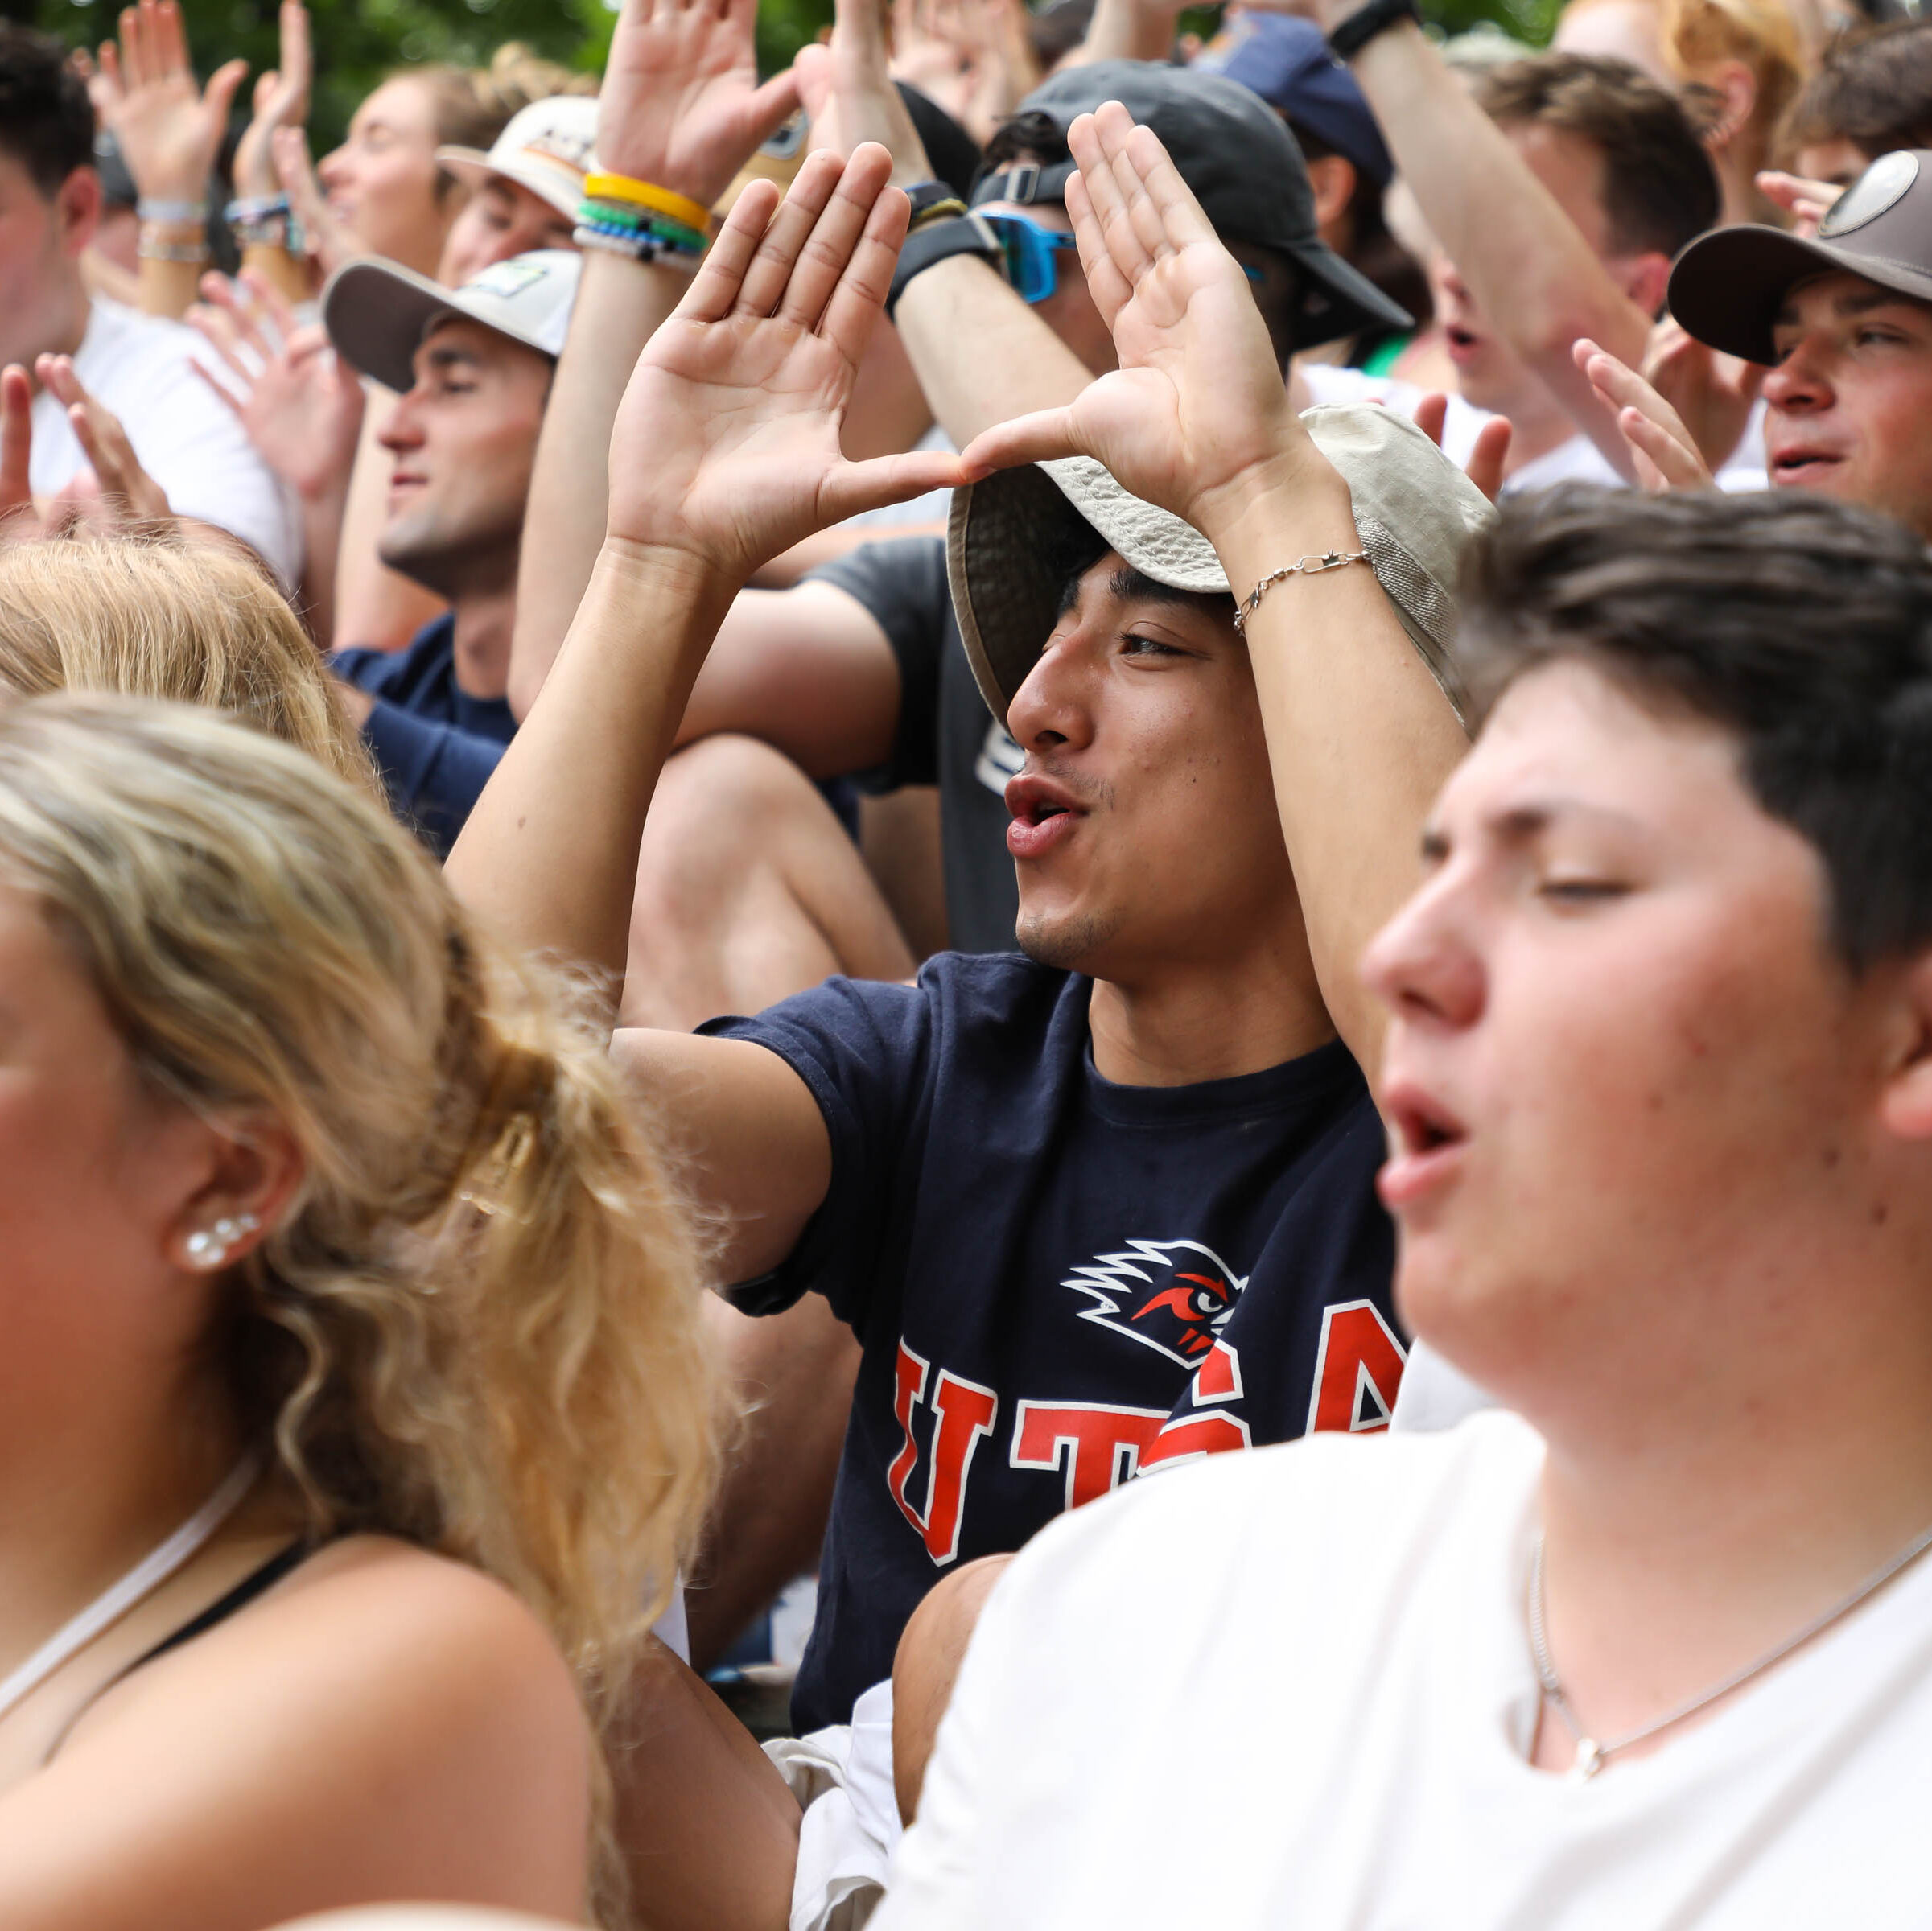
138,368
1655,1647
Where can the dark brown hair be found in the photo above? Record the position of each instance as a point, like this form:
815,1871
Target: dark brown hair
1873,87
46,121
1801,627
1659,189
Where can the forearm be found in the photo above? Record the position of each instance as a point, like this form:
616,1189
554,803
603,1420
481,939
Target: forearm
550,855
1525,261
1360,734
981,356
288,274
168,289
322,516
620,305
1121,31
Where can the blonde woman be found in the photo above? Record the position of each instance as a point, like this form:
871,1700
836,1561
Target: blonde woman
186,615
353,1410
1744,59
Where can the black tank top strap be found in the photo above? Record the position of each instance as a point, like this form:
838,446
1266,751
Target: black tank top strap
257,1582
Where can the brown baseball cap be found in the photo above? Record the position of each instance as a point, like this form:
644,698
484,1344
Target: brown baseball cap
1728,286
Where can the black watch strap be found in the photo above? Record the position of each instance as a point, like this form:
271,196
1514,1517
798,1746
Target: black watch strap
1365,22
963,235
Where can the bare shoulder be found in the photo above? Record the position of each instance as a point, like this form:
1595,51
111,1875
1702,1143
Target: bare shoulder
384,1724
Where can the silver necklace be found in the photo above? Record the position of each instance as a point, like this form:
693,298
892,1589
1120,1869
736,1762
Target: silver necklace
1591,1755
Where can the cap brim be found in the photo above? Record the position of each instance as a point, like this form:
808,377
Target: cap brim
1728,286
1346,301
376,314
472,168
1006,593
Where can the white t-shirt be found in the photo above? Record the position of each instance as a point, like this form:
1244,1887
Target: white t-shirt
1578,460
138,366
1292,1690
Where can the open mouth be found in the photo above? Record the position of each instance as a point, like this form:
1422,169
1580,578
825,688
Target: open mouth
1426,1152
1800,468
1423,1128
1461,343
1043,813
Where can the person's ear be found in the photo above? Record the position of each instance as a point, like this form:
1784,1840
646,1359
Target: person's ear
1736,87
1906,1107
77,210
1333,181
255,1172
1644,279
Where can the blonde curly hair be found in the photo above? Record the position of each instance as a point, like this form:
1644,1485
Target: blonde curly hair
475,1326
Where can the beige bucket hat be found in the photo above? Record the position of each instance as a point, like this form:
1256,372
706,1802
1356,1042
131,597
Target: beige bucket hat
1416,513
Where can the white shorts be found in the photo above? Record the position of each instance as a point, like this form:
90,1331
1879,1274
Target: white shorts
843,1777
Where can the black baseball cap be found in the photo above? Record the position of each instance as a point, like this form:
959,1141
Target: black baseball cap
1728,286
1241,164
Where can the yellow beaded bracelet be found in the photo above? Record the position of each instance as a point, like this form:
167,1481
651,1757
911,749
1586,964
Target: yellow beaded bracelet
642,194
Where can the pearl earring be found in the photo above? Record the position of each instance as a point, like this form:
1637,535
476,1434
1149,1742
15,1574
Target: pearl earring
207,1247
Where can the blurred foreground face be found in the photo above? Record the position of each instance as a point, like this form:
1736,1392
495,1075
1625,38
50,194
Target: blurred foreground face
1144,826
1625,1075
94,1166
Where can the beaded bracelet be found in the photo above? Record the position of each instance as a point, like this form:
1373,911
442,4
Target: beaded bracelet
620,220
646,249
630,192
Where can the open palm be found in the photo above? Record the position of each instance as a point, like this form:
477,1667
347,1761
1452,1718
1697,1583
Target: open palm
726,446
169,128
680,106
1196,410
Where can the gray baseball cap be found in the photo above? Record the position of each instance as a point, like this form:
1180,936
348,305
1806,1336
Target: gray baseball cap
1241,164
376,313
1416,513
1728,286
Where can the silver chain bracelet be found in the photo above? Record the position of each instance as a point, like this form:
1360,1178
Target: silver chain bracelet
1302,566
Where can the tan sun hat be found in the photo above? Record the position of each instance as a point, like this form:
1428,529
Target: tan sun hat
546,147
1416,513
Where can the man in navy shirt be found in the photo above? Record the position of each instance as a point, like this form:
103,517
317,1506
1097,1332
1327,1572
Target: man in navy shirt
1109,1205
472,367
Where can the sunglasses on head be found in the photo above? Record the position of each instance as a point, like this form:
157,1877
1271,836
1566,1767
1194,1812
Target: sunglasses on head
1032,254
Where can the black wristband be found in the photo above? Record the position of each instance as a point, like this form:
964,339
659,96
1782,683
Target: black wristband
923,194
1362,26
963,235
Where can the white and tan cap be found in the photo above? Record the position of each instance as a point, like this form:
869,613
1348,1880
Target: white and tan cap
376,313
1416,513
547,148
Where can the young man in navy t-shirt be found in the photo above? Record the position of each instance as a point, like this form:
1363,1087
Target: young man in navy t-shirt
1109,1203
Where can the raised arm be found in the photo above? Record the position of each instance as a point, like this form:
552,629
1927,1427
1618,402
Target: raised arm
682,108
981,356
1195,419
1526,261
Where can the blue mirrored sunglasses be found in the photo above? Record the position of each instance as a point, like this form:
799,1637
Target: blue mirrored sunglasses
1032,255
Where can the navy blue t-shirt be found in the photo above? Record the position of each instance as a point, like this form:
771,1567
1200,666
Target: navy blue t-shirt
435,744
1057,1281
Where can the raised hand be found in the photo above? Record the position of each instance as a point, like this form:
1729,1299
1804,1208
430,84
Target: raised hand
847,87
282,98
18,517
680,106
300,407
1712,394
114,492
726,447
1489,454
1196,417
169,129
327,242
1666,452
1807,202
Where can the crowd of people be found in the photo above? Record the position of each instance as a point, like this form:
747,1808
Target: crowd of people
1115,851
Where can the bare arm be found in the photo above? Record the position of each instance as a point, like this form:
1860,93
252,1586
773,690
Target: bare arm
725,452
680,108
1360,736
1524,260
981,356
